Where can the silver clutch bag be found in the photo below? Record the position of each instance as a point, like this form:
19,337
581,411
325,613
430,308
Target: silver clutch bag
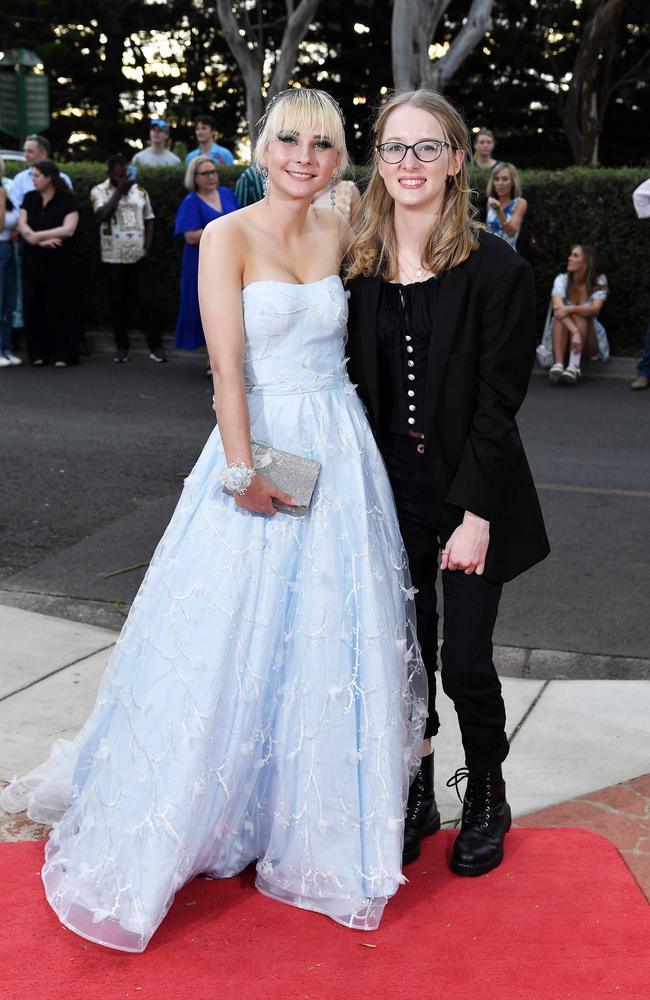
294,474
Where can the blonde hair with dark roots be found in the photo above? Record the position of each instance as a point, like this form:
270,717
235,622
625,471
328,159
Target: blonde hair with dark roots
302,108
452,237
515,180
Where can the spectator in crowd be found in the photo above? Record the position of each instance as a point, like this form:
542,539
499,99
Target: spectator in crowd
8,221
483,147
249,187
156,154
6,182
343,196
205,128
36,148
126,221
206,201
572,323
641,201
48,221
506,208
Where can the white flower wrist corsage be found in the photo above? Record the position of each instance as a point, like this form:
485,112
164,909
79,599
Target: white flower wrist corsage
237,478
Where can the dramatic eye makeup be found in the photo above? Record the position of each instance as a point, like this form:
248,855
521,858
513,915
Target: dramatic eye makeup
320,142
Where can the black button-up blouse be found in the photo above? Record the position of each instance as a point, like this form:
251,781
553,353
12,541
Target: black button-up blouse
404,329
50,216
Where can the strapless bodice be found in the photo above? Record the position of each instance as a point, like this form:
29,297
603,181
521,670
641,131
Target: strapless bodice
295,336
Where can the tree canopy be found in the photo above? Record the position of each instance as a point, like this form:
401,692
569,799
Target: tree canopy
114,63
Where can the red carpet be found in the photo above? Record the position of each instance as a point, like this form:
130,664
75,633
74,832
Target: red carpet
561,918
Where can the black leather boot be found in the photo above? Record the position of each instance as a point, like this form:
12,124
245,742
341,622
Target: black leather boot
486,820
422,816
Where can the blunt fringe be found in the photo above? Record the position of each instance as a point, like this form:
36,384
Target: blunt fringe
452,237
298,109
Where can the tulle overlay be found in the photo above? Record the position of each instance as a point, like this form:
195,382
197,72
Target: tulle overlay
265,699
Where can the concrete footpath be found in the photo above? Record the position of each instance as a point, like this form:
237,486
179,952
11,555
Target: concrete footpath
580,748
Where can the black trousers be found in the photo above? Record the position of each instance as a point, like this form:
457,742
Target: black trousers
51,316
132,281
471,603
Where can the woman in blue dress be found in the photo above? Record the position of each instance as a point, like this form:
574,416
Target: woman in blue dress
506,207
205,202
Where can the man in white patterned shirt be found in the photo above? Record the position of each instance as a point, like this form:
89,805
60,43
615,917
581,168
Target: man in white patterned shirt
126,222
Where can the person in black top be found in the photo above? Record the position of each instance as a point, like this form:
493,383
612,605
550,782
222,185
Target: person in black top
48,221
441,345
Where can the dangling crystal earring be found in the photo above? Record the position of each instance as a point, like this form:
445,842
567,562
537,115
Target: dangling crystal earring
266,182
333,192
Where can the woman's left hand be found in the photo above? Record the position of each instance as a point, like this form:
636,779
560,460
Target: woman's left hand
467,546
52,243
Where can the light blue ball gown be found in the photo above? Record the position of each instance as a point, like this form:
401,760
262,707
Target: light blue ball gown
266,700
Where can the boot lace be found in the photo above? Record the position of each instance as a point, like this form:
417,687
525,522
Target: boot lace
471,814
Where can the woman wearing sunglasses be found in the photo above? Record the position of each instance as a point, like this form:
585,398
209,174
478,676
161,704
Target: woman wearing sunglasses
441,345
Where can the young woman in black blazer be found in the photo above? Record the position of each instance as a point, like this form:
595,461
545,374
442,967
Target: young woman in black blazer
441,345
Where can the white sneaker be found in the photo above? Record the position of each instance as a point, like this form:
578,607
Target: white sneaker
570,375
556,372
13,359
4,362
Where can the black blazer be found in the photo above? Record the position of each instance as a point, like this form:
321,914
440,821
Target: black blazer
480,360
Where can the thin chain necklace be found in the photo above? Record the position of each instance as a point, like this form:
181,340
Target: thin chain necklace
418,272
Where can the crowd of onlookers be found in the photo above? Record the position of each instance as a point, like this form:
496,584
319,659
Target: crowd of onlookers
39,216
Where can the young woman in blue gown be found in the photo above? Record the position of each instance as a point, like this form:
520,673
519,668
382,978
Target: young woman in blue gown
206,201
265,701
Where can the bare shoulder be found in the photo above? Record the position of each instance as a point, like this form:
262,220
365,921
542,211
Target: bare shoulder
333,228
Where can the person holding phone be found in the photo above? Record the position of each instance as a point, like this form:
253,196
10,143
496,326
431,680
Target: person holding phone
126,219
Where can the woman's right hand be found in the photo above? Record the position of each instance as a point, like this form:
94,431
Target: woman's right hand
258,498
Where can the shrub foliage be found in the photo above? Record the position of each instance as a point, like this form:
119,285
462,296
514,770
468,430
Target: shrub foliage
564,207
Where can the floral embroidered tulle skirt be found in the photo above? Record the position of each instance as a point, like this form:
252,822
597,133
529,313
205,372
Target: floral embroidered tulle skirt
264,703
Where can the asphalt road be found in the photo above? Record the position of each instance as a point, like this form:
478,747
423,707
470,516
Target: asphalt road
93,459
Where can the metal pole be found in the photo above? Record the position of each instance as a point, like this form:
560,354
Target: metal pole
22,105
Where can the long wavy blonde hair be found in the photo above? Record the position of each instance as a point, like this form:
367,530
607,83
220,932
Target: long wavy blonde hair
451,237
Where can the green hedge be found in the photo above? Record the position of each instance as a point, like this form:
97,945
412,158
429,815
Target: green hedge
574,205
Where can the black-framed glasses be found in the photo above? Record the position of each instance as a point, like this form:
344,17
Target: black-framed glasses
426,150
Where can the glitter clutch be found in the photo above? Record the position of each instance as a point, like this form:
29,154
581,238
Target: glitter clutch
294,474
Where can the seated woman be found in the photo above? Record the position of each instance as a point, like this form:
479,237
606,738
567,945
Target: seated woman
506,207
205,202
572,324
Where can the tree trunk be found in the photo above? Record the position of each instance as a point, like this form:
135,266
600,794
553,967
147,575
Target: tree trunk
296,28
247,52
250,61
413,28
402,44
439,72
110,129
582,111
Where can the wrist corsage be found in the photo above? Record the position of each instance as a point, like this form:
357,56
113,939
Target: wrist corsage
237,478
